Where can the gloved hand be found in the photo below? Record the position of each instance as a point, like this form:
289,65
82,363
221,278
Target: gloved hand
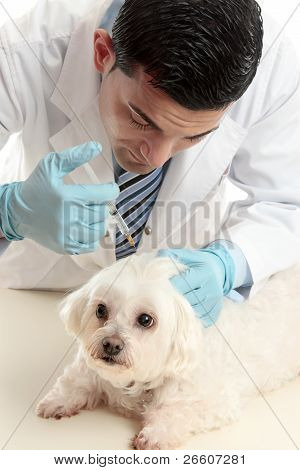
210,276
64,218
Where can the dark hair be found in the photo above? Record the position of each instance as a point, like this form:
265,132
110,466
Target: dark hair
202,53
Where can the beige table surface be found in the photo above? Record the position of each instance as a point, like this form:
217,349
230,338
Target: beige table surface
34,349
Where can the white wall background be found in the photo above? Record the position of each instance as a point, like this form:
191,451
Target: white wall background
280,10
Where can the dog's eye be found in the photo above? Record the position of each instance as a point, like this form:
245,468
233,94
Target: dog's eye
101,311
145,320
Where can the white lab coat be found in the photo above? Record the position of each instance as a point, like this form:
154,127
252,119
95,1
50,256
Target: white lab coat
49,93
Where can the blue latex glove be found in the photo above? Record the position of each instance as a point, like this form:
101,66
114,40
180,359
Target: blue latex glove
210,276
62,217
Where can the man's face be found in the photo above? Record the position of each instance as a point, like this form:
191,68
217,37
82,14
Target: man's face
145,126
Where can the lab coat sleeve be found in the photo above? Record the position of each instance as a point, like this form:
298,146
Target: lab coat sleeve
266,225
242,271
11,116
11,120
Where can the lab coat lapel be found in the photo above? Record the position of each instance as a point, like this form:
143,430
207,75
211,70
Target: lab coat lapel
87,126
77,96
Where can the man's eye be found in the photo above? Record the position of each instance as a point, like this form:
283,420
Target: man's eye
137,125
143,127
195,139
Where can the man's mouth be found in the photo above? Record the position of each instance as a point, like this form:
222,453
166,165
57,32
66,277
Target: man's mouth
108,359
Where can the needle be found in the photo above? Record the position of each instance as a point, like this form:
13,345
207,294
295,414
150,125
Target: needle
120,222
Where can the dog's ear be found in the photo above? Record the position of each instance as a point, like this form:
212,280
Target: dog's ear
72,309
187,340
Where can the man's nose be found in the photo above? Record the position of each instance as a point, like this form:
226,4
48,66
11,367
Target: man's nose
156,153
112,345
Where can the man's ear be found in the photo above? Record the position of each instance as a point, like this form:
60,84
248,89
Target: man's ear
72,309
104,55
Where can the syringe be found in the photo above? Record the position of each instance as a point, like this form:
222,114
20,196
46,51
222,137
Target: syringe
112,208
120,222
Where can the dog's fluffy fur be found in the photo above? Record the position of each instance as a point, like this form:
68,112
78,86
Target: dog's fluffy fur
178,377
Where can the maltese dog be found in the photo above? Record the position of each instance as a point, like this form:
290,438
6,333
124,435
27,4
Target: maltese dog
143,351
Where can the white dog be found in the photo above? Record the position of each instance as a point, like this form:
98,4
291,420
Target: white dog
143,351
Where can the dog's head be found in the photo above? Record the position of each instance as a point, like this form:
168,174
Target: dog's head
132,323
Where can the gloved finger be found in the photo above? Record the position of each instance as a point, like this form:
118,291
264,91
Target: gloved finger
86,234
89,247
188,281
71,247
207,320
91,233
196,296
203,296
82,248
212,315
66,161
95,214
75,243
208,317
181,255
76,213
165,252
99,229
91,194
200,310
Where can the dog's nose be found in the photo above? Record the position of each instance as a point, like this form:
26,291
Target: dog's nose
112,345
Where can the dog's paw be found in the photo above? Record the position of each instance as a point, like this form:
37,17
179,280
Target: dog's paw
142,442
54,408
149,439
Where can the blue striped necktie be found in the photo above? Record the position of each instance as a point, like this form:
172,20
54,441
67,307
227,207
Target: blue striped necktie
135,201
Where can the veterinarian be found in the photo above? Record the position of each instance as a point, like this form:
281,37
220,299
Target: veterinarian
223,105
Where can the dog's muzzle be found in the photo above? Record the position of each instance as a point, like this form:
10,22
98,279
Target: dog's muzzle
112,345
108,349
